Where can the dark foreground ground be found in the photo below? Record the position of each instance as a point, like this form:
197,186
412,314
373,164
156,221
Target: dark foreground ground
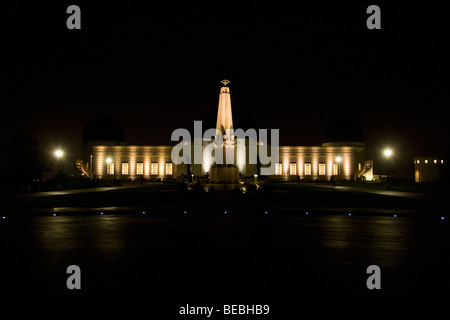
290,242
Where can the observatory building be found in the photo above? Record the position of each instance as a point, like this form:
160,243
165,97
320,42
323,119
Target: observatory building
341,155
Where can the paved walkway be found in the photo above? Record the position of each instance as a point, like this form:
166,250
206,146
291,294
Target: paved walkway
391,193
73,191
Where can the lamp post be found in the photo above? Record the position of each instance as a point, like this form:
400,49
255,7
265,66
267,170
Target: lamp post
338,161
58,155
109,170
387,154
90,166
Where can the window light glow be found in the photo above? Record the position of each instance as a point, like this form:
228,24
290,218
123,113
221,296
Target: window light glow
154,168
307,169
278,169
293,169
110,168
140,168
124,167
321,169
335,169
169,168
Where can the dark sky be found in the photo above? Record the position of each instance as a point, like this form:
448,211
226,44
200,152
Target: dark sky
292,67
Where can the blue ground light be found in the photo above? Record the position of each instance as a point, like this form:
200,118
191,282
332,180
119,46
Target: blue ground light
117,256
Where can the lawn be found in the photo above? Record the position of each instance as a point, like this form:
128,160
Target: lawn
288,198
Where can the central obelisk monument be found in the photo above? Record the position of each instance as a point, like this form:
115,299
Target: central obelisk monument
226,172
224,115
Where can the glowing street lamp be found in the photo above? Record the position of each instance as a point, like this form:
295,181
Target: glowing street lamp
388,153
58,155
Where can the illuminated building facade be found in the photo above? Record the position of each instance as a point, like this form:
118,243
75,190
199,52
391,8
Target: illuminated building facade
341,155
428,169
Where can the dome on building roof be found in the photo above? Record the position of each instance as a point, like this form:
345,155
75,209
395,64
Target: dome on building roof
104,128
343,128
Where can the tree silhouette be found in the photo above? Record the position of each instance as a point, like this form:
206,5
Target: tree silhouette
21,163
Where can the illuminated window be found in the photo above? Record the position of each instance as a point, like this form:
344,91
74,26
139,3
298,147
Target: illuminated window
124,167
359,166
307,169
321,169
140,168
293,169
278,169
442,161
426,161
335,169
435,161
169,168
154,168
110,168
418,161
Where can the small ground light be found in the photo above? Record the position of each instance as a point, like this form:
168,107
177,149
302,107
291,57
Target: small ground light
54,214
349,214
395,216
307,213
101,212
265,212
225,212
185,212
143,212
3,217
442,218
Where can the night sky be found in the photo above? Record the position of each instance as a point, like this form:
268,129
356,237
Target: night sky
292,67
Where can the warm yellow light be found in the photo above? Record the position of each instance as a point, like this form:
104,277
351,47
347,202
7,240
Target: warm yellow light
278,169
169,168
108,160
58,153
140,168
388,152
426,161
125,168
321,169
338,159
307,169
293,169
154,168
